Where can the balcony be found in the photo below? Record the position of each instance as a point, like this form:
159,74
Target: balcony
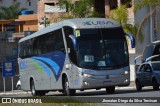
18,35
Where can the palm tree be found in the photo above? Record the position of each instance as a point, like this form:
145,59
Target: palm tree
154,4
11,12
121,15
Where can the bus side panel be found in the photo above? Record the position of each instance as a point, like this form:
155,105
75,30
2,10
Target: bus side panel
58,84
51,65
28,69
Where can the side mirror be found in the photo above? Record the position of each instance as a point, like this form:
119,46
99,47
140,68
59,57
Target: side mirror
74,41
132,39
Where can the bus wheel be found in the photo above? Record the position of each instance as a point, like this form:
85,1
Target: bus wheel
110,90
33,90
41,93
66,90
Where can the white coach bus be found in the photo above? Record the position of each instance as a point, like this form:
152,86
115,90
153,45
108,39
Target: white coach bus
75,54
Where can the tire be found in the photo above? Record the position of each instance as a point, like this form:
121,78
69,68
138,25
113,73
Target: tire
110,90
18,87
33,90
155,85
41,93
66,90
138,86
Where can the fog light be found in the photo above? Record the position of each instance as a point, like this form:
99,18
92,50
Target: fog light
87,75
86,83
126,72
126,81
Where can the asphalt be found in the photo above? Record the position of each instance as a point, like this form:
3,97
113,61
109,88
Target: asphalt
2,93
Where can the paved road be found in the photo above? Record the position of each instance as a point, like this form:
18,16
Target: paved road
129,91
93,95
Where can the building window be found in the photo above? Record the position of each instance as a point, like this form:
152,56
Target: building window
29,3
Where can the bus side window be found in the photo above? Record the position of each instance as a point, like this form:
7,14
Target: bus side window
22,46
50,42
36,49
72,54
59,45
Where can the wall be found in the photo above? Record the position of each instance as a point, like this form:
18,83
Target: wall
30,25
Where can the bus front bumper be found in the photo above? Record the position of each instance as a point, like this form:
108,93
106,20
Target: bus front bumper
91,83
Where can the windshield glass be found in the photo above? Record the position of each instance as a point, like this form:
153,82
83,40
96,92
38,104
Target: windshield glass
102,48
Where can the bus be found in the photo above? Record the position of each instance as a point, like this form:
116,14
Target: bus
75,54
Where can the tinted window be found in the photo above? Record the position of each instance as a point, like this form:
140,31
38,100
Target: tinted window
104,48
72,54
49,42
141,68
148,51
157,49
156,66
156,52
147,68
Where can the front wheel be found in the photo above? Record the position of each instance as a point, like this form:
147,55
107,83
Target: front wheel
18,87
66,90
138,86
110,90
33,90
155,85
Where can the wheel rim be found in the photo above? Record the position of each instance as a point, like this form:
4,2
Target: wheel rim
33,88
66,87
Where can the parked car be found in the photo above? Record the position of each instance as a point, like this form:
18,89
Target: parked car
18,85
149,51
148,74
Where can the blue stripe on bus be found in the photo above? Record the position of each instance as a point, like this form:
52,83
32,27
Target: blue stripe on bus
46,69
53,64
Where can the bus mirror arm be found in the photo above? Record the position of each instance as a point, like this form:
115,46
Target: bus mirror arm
74,41
132,39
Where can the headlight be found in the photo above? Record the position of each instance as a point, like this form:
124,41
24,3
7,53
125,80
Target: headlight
87,75
126,72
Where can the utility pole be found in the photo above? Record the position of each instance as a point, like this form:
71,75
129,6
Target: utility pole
44,20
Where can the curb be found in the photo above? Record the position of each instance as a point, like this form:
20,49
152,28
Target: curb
14,92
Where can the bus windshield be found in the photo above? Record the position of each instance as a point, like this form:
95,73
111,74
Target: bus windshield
102,48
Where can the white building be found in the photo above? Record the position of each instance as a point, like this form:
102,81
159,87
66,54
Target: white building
151,28
29,4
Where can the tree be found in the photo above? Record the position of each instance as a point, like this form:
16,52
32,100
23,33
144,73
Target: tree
79,9
154,4
11,12
121,15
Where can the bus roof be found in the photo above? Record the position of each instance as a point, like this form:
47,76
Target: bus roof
76,23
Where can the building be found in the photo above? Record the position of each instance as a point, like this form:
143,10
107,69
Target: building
151,29
10,33
28,4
